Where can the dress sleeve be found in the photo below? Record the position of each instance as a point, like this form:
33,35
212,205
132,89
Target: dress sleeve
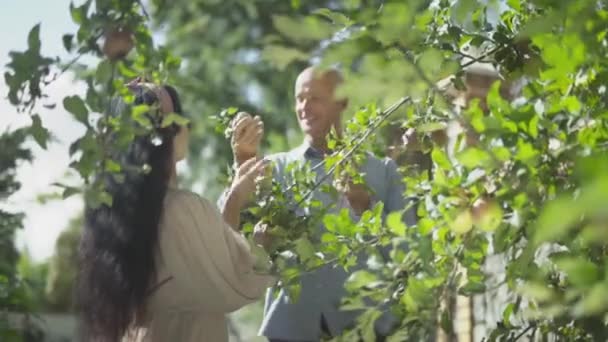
216,257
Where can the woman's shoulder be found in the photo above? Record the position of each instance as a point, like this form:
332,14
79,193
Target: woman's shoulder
185,209
175,197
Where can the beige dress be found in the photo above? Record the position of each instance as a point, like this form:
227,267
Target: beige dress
205,270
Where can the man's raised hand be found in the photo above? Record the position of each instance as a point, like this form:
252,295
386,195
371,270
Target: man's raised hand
247,136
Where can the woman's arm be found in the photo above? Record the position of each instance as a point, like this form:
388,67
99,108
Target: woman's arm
241,191
231,210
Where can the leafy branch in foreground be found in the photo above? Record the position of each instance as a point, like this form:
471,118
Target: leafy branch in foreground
516,178
295,236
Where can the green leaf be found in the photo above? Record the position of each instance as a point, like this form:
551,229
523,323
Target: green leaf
463,8
395,223
431,61
281,56
67,190
440,178
293,292
514,4
103,74
502,153
70,191
75,105
302,29
526,152
355,303
533,127
594,302
79,14
105,198
441,158
96,198
472,287
366,324
572,104
138,114
478,122
507,313
536,291
447,323
172,63
565,53
341,223
561,215
552,224
359,279
304,248
431,127
174,118
112,166
581,273
540,25
335,17
261,259
40,134
474,157
395,17
67,42
33,39
425,226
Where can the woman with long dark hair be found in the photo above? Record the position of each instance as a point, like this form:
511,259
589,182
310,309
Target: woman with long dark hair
163,264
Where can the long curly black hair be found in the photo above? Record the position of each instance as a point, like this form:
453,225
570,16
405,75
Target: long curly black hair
118,246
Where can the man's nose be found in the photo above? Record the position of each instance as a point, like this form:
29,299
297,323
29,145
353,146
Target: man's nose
305,104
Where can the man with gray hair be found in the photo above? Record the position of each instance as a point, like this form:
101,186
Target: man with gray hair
316,313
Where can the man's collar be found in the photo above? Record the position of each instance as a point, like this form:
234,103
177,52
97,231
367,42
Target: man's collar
308,151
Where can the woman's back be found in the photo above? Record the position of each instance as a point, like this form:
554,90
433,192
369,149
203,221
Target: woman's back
205,270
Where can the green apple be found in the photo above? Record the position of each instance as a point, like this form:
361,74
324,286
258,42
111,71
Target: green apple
462,223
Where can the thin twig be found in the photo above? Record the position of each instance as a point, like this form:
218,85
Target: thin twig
482,57
523,332
63,70
143,9
72,62
466,55
359,248
486,38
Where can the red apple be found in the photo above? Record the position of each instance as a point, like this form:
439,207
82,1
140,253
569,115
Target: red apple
117,44
440,137
487,214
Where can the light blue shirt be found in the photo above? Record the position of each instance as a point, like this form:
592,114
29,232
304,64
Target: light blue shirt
323,289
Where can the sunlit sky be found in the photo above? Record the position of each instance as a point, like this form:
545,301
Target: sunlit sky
43,222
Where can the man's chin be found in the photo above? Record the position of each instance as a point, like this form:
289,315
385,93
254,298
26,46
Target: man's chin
308,131
315,135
